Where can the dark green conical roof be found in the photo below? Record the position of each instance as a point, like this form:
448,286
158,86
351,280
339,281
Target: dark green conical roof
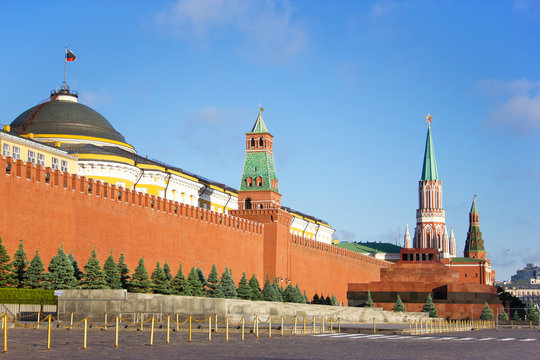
473,207
259,127
429,170
474,242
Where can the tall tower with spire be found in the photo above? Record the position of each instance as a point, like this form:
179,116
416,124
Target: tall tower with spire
474,245
259,184
430,216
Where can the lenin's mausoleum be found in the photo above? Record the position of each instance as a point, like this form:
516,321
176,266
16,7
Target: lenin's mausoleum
68,178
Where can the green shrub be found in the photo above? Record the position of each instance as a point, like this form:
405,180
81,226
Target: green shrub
27,296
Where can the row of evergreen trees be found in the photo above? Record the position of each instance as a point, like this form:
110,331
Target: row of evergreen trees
64,273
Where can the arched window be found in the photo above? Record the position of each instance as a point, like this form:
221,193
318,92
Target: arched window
260,206
261,143
252,143
249,182
259,181
247,204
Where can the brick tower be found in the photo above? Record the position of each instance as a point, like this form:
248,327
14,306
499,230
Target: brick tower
259,200
430,216
474,245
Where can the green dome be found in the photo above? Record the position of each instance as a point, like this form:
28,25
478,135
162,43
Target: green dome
63,115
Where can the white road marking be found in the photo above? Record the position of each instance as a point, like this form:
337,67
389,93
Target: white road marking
507,339
465,339
444,338
527,339
485,339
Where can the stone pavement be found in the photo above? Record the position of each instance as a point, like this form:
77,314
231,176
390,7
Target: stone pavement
481,344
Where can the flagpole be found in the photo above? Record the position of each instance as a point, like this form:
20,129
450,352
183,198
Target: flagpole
65,62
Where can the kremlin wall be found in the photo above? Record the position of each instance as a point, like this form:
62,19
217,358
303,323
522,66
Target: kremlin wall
96,192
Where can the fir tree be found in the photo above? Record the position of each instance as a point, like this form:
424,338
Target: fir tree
6,268
278,294
369,301
20,262
195,283
328,300
112,273
334,300
516,316
124,272
315,300
487,313
298,296
140,282
160,284
76,271
306,299
322,300
430,307
61,274
203,280
34,275
167,271
503,316
268,291
179,284
255,289
398,306
244,290
289,295
213,289
93,276
532,312
227,285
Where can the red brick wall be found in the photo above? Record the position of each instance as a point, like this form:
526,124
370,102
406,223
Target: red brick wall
63,212
327,269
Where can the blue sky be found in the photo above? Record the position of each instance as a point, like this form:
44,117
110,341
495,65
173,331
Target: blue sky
345,86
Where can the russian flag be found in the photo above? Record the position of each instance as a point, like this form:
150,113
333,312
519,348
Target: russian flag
70,56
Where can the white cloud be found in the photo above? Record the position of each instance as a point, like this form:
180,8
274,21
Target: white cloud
264,29
519,108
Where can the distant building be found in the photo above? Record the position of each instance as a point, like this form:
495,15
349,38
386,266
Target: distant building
378,250
530,271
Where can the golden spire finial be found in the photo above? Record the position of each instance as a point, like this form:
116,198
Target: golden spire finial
474,196
260,109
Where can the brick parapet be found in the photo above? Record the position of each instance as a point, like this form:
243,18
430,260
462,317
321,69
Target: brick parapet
334,250
83,187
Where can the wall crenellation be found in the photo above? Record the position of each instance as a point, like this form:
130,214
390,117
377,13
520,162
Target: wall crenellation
330,249
81,186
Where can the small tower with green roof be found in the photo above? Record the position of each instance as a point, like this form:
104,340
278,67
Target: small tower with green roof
259,183
474,245
430,217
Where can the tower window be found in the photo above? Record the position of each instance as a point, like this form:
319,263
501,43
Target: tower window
252,143
261,143
259,181
247,204
249,182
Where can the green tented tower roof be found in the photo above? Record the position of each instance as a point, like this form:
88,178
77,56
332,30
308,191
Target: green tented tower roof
473,207
429,170
259,127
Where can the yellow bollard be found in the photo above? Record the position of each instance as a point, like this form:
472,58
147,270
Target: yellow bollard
243,323
49,333
85,332
410,327
269,326
116,332
226,328
331,325
4,325
152,331
512,323
339,325
322,325
177,329
105,325
530,322
71,321
313,330
304,325
421,327
254,317
431,327
216,324
168,329
374,328
282,326
141,323
257,326
38,319
295,321
190,329
209,328
415,327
